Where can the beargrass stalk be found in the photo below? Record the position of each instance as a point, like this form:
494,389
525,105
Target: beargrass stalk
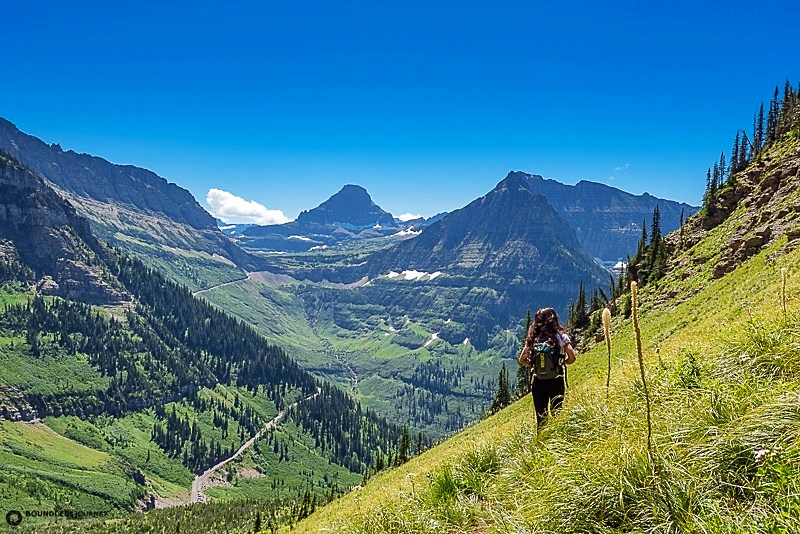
607,335
784,275
638,332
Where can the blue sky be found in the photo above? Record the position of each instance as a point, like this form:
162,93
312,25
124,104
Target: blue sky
277,105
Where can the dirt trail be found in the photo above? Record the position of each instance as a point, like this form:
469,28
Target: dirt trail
202,482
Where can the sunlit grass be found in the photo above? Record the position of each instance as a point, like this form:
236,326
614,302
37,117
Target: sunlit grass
722,366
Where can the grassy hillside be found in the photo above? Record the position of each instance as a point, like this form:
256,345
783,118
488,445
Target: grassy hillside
723,371
722,368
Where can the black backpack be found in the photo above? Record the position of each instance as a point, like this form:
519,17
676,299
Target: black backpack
546,360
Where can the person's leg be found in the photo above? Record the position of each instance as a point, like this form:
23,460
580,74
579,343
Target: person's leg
557,391
541,399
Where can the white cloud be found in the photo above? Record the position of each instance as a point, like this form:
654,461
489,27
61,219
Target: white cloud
232,209
408,217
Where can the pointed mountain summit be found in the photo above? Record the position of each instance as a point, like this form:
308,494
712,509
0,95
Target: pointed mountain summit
351,208
509,231
511,246
349,215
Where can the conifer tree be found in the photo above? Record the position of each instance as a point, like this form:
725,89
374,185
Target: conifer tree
655,238
772,116
502,397
734,168
523,385
758,132
710,195
404,448
581,318
744,151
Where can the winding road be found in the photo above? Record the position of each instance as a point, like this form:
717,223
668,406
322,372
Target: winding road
203,482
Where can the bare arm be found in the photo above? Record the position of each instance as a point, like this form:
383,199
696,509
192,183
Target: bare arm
569,354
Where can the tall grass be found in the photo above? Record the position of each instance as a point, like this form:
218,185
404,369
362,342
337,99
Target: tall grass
607,336
638,334
729,455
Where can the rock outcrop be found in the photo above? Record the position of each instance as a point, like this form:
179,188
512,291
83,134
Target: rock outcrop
123,200
50,238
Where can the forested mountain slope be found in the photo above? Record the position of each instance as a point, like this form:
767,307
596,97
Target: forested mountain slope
104,408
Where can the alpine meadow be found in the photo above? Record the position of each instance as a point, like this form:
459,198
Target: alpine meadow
165,370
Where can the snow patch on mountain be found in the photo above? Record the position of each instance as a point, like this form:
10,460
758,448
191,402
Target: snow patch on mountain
413,275
409,231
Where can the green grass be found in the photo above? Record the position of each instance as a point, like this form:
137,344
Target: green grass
42,470
723,370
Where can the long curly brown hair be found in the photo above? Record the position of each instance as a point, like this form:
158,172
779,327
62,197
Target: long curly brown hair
545,324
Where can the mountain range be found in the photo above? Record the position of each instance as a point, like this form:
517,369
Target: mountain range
105,357
607,222
134,208
347,216
128,396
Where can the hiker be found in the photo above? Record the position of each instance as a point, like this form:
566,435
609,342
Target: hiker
547,348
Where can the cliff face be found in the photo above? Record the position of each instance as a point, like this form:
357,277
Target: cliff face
607,221
124,204
763,207
42,231
508,233
95,178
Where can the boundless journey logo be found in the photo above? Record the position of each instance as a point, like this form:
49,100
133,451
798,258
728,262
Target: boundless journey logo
15,517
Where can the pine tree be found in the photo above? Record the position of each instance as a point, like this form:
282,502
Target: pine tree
502,397
744,153
581,318
710,195
655,238
404,448
772,117
758,133
523,386
657,257
722,167
734,168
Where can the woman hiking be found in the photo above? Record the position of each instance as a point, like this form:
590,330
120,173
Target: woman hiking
547,349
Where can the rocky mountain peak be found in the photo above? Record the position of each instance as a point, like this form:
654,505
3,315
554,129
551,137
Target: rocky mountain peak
350,207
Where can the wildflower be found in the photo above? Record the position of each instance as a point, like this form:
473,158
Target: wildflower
784,274
638,333
411,476
761,456
607,335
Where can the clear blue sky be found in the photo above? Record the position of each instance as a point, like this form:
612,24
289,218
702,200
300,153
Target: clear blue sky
426,104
